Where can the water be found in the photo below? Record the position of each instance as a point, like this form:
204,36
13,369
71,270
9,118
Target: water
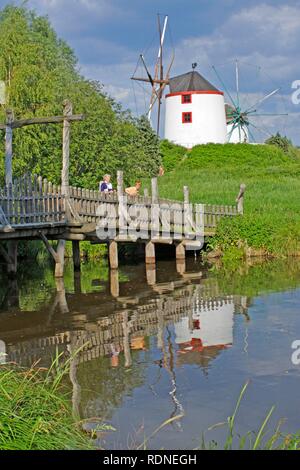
181,347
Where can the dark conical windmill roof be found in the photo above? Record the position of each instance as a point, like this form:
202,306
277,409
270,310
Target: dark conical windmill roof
191,81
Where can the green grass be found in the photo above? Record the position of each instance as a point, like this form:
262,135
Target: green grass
272,200
35,412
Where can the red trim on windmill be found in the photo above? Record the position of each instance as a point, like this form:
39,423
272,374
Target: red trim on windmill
200,92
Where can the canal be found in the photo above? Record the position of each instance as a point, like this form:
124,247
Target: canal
162,347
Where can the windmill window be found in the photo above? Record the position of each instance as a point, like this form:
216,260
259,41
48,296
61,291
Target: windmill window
186,99
187,118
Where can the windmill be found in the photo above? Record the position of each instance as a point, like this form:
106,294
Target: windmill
159,79
241,119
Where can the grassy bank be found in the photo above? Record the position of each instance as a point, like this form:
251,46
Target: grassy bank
271,223
35,414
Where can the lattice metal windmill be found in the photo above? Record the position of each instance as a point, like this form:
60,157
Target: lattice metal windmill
240,118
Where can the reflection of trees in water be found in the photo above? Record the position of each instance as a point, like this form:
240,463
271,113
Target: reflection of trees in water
104,388
257,276
35,283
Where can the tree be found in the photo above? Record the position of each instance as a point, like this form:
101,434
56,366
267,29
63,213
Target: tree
280,141
40,71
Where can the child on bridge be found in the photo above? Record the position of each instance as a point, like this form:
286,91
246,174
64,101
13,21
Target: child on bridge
105,186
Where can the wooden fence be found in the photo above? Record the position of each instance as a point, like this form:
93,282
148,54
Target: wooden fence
30,201
174,213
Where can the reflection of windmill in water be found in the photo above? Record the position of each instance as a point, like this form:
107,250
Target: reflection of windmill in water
249,118
160,78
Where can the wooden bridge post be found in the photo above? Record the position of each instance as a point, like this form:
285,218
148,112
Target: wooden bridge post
12,251
114,283
60,259
76,255
8,146
180,258
151,274
61,295
113,255
240,199
187,217
154,190
68,111
10,256
77,282
121,206
150,253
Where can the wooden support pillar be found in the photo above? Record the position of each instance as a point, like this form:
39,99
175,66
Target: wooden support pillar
113,255
180,252
60,261
61,299
58,255
240,199
151,274
8,147
150,253
12,251
76,255
12,297
180,258
114,283
77,282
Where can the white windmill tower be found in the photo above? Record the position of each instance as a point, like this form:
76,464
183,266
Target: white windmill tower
195,111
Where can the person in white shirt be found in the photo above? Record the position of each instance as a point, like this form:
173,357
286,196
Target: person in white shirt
105,186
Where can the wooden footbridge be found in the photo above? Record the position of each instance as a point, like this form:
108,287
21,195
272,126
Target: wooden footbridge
33,208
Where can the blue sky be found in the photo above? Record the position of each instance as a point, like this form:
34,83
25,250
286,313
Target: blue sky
108,35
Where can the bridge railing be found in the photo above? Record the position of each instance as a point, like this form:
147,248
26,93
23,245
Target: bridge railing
31,201
86,203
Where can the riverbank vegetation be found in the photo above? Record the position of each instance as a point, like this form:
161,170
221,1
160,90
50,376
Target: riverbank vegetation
271,223
35,412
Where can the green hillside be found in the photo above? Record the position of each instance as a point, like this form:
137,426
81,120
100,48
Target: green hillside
272,200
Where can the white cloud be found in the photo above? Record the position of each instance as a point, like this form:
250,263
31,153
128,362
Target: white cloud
71,18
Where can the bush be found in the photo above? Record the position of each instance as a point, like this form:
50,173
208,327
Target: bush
171,154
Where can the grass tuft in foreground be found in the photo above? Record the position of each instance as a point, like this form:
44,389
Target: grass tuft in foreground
35,413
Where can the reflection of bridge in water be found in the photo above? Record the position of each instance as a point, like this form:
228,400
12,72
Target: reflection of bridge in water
202,316
190,317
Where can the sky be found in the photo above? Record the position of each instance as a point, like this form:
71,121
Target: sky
264,36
